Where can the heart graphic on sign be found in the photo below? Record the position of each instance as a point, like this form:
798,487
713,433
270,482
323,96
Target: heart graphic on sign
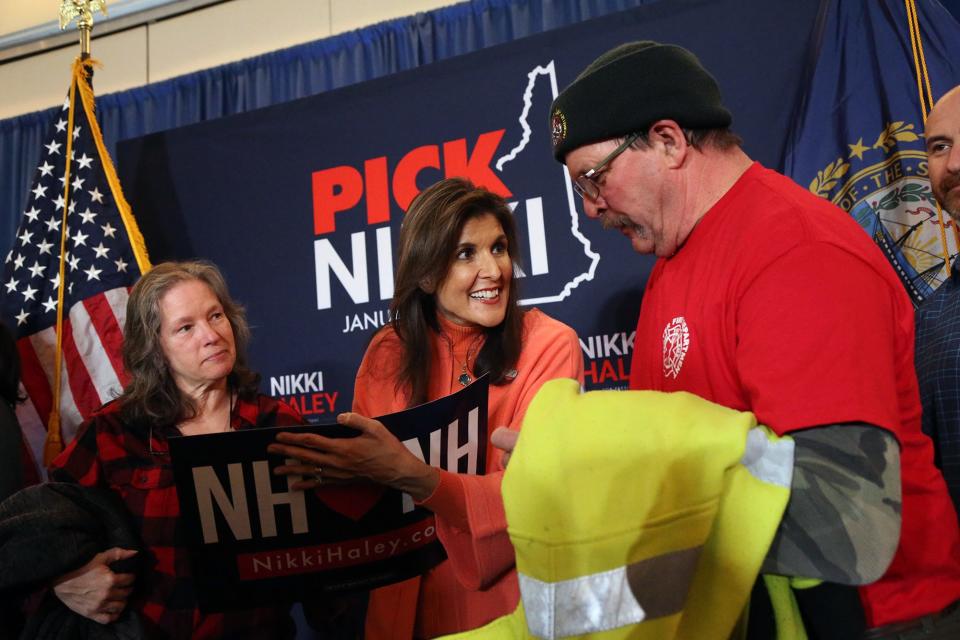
353,501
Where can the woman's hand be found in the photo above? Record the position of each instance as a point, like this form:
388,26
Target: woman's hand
374,455
94,591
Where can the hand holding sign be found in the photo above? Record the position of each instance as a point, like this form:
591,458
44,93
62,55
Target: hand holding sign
256,536
375,454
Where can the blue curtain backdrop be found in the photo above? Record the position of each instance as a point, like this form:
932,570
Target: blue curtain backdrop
287,74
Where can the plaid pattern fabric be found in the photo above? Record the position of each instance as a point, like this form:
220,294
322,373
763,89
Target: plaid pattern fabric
938,372
112,454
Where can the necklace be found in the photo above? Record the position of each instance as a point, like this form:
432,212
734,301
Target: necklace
160,452
465,378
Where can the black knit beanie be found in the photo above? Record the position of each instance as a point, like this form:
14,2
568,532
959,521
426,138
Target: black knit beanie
629,88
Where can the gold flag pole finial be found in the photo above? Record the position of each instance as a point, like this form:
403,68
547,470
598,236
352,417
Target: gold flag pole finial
82,10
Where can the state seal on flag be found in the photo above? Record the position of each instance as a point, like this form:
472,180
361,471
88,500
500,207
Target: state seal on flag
886,188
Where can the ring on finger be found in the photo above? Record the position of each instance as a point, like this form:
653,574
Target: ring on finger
317,474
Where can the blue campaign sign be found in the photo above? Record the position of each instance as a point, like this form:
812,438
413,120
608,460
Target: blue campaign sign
253,539
301,203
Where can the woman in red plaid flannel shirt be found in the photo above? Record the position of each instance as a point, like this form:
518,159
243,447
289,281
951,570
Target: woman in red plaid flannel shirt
184,351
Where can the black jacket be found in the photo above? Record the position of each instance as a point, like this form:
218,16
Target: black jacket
49,530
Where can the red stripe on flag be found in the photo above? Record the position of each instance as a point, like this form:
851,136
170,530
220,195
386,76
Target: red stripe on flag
34,380
109,331
85,395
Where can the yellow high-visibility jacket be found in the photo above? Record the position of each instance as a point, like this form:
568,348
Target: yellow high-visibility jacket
638,514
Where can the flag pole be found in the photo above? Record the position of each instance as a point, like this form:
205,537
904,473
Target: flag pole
82,10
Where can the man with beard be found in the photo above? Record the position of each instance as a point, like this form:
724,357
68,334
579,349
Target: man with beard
768,299
938,321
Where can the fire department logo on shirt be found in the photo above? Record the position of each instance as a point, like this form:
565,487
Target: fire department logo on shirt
676,341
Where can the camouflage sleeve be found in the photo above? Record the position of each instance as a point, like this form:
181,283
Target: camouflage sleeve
842,523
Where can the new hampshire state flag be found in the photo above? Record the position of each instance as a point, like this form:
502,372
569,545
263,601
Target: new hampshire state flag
858,139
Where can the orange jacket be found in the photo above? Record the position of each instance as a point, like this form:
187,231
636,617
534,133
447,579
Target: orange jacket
478,582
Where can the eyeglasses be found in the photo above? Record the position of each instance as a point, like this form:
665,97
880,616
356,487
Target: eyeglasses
586,185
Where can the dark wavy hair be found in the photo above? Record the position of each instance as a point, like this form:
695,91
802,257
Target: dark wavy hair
152,396
428,242
9,367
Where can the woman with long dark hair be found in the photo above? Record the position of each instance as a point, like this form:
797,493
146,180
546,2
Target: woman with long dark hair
455,316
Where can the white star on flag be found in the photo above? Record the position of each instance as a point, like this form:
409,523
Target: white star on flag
92,273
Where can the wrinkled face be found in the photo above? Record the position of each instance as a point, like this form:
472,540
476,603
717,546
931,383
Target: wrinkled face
475,290
943,136
196,336
633,190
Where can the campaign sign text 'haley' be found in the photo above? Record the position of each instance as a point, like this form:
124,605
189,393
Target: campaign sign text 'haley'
254,540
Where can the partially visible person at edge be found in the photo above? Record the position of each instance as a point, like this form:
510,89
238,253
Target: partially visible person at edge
185,352
11,453
11,440
455,317
938,319
765,298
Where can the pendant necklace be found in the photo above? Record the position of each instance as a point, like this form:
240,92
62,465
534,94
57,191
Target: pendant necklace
465,378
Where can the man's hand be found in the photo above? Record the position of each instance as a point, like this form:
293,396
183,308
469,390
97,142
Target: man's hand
94,591
506,439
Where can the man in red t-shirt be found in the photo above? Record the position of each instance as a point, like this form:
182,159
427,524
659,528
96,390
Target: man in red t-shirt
768,299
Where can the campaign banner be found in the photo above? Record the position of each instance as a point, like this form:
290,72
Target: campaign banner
254,540
301,203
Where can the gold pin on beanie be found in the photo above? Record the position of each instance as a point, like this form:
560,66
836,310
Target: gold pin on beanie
629,88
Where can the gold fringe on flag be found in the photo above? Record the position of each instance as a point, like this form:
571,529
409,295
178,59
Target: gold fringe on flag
925,94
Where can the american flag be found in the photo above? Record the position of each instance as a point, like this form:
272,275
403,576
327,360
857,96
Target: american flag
104,256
